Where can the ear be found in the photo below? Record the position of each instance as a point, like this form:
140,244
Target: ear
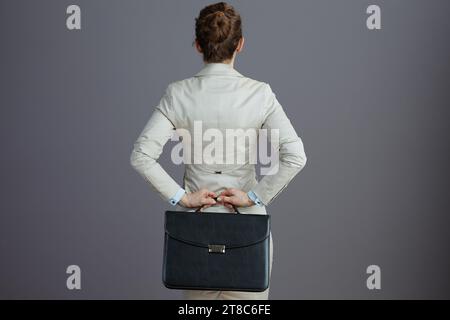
240,45
197,46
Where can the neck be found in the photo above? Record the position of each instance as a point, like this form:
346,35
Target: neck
230,62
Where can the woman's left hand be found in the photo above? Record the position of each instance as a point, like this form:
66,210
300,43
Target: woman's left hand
236,197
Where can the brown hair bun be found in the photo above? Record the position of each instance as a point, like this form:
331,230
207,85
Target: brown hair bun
218,31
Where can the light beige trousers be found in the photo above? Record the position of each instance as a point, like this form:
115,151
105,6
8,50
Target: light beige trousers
231,295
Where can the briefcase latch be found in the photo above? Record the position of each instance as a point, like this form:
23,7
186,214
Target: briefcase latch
216,248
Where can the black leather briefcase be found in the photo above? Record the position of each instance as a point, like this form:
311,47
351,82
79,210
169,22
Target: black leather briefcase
216,251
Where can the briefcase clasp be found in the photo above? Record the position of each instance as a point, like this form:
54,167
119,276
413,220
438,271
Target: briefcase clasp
216,248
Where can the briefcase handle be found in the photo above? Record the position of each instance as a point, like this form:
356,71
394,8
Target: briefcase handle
234,207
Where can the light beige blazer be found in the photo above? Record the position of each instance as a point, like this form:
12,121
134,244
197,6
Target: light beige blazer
221,98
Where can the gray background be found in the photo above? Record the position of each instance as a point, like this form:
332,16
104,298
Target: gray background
371,106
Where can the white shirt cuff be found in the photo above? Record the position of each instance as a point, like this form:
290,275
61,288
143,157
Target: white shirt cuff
254,198
177,197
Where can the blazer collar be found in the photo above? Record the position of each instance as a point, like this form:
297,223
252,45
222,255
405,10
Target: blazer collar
218,68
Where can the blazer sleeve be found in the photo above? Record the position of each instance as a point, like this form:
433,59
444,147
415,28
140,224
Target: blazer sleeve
149,146
292,157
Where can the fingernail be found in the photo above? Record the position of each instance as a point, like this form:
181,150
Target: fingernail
219,199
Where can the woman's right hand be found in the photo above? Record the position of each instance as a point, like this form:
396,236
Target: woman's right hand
202,198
